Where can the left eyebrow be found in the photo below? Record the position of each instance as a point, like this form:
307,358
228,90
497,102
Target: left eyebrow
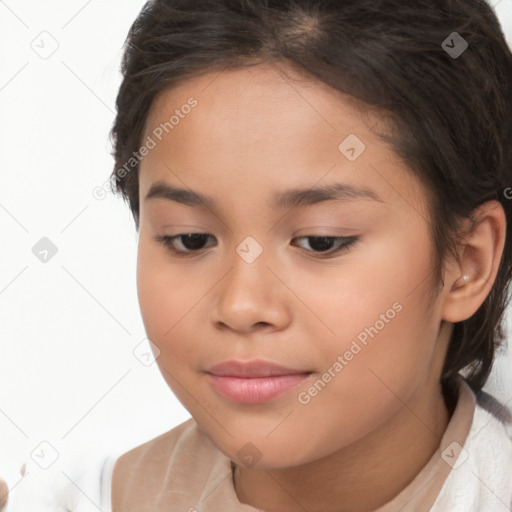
332,192
289,199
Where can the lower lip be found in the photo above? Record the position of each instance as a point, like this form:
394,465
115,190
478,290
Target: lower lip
255,390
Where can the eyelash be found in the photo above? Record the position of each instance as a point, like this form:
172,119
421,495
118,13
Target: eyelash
344,243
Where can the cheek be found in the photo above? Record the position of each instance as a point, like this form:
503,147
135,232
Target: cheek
376,308
164,296
386,273
170,296
370,369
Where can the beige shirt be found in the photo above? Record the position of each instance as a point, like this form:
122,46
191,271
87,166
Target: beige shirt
183,471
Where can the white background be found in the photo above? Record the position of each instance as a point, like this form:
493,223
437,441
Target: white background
68,327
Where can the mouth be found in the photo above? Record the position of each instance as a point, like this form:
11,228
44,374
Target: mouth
254,382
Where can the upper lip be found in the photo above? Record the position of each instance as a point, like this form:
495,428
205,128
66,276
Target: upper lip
254,368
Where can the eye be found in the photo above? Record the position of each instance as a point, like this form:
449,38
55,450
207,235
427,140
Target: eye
329,244
192,243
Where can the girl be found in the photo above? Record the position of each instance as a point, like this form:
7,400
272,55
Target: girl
322,194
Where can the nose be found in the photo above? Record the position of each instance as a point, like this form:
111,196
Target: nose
251,298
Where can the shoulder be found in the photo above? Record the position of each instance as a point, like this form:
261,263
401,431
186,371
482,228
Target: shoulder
481,478
143,473
157,448
496,411
491,439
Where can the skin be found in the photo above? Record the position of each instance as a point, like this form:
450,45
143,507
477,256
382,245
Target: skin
256,132
4,494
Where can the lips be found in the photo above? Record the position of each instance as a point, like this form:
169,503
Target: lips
255,368
254,382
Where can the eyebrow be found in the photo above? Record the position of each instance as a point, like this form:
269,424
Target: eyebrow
293,198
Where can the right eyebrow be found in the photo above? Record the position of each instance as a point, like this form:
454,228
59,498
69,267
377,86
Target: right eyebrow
163,190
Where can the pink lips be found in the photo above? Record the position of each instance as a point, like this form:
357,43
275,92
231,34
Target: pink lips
253,382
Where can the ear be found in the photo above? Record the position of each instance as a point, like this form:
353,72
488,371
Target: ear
480,256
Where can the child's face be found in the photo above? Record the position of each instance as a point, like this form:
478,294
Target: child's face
358,319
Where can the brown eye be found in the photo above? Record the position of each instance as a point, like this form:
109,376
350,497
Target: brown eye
183,244
329,244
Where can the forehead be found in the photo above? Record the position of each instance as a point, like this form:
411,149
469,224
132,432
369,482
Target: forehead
264,127
274,92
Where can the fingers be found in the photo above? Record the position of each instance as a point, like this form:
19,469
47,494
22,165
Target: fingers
4,492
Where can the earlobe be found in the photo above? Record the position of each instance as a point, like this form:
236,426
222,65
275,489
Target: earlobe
469,284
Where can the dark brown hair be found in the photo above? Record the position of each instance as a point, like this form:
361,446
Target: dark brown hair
449,110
